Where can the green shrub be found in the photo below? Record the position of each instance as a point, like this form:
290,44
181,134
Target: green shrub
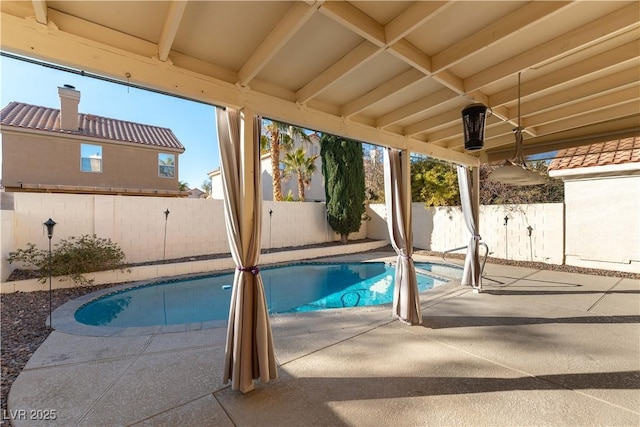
72,257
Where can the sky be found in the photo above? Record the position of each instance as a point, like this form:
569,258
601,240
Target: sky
193,123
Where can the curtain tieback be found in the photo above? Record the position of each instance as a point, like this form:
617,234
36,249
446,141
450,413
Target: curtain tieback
253,270
405,256
477,237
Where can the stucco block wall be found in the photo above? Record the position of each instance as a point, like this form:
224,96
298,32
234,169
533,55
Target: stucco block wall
546,243
6,232
193,227
603,234
443,228
609,238
294,224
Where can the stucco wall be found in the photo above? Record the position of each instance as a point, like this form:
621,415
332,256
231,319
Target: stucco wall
609,239
441,229
603,223
137,224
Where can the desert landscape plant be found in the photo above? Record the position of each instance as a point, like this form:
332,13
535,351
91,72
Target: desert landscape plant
72,258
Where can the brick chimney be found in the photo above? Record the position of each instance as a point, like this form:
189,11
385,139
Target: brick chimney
69,100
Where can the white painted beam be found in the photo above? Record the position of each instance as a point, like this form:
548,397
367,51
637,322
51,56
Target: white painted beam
442,120
413,56
616,22
510,25
391,38
419,106
293,20
352,18
40,10
385,90
598,103
413,17
602,85
589,134
170,28
22,37
364,52
455,139
616,112
442,153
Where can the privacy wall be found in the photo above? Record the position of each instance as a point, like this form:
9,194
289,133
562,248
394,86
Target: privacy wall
143,231
441,229
196,227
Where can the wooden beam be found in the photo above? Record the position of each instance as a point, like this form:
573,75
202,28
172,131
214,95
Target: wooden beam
590,134
421,105
26,37
40,10
352,18
510,25
601,85
597,103
413,17
293,20
347,63
170,28
446,119
616,112
380,93
615,23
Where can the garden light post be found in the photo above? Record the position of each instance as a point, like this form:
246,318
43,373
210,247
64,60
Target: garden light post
506,245
270,214
50,224
166,219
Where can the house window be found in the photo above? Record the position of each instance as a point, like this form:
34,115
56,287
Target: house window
90,158
166,165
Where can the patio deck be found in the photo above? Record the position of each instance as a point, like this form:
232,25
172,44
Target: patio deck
535,348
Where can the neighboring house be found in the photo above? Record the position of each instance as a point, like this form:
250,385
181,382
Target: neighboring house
314,193
196,193
50,150
602,204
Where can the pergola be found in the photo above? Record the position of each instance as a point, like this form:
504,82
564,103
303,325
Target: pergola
391,73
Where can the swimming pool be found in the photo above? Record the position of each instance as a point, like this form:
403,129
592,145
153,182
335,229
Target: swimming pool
288,289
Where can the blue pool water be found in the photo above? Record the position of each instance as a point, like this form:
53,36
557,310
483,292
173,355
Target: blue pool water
292,288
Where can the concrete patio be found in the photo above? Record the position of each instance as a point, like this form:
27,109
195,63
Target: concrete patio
535,348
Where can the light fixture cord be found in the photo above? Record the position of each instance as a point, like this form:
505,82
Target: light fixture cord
519,158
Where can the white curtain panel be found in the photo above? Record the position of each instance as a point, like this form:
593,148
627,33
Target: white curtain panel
471,275
249,351
397,187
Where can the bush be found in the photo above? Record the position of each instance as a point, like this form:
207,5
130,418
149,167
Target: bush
72,257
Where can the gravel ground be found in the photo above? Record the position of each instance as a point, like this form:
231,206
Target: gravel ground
24,314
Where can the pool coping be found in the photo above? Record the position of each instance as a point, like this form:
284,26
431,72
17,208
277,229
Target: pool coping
63,317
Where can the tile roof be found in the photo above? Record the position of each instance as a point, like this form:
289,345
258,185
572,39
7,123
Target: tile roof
601,154
27,116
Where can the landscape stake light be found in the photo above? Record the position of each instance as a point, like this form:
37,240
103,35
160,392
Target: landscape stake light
166,219
506,241
50,224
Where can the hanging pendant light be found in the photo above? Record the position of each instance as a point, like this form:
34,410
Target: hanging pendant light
515,171
474,117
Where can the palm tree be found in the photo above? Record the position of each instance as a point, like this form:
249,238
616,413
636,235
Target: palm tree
280,136
303,166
